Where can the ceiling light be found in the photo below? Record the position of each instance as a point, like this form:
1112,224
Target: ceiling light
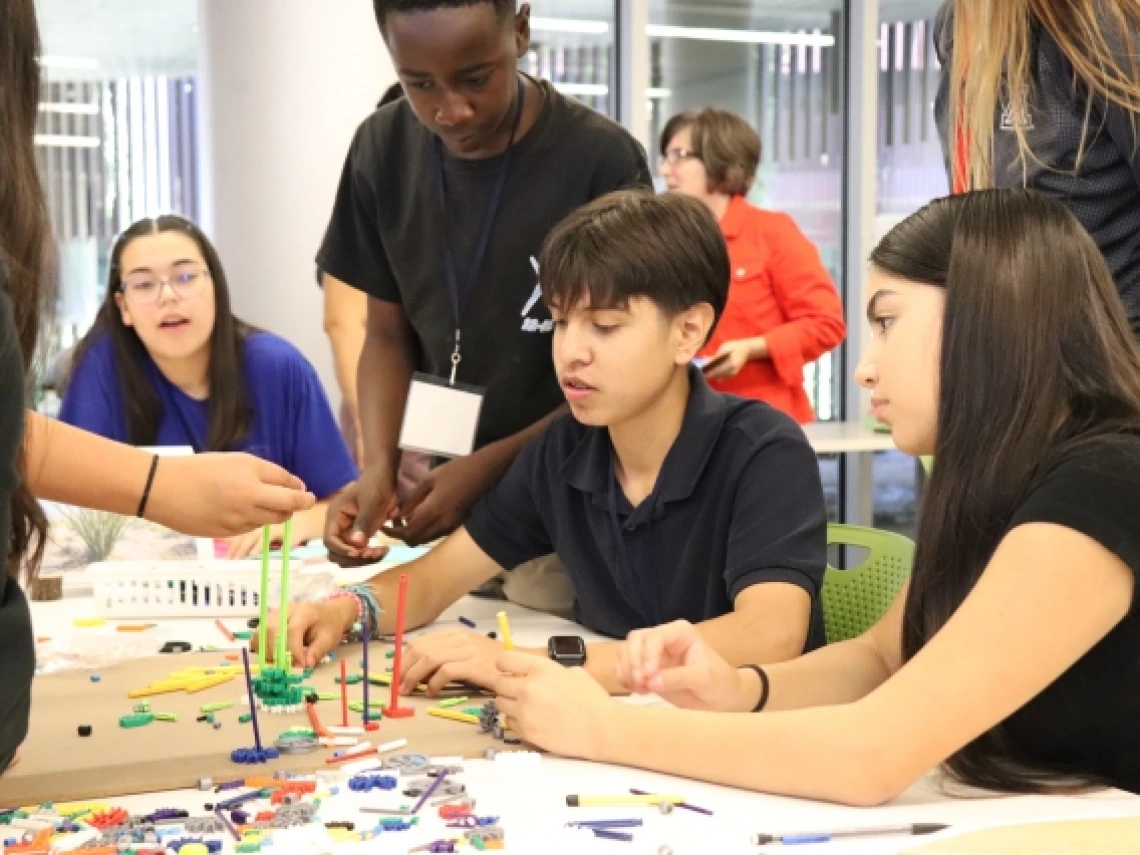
71,109
71,62
569,25
756,37
61,141
600,90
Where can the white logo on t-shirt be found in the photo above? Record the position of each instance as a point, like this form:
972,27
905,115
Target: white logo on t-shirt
533,325
1010,122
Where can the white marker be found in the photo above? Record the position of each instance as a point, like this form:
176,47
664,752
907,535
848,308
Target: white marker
391,746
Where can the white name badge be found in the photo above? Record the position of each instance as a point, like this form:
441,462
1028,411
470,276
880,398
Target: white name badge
440,418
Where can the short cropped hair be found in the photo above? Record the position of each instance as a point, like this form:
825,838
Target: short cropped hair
384,8
393,93
633,243
727,145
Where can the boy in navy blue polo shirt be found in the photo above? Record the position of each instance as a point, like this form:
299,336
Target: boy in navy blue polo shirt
663,498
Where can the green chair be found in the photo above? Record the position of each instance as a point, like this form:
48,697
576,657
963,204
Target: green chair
853,600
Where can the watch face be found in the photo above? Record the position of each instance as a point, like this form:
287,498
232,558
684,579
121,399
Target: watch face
567,647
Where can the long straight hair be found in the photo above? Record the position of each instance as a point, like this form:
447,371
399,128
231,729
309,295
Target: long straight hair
24,240
230,417
1037,361
993,63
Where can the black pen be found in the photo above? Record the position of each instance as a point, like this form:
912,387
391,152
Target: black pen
846,834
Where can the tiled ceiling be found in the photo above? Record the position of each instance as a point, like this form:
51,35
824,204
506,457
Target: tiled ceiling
127,37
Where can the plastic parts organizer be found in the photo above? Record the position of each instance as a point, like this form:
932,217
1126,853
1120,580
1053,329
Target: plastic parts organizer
155,589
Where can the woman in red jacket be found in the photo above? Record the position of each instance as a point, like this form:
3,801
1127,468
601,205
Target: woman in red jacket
783,310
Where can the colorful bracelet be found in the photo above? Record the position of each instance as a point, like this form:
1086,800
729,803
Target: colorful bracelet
371,606
340,594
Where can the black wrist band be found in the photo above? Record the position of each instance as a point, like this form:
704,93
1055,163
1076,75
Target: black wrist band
146,489
763,675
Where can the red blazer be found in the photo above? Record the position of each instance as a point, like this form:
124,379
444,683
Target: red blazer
779,290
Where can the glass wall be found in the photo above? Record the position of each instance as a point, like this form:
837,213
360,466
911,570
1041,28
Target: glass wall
116,137
911,171
781,69
572,45
911,168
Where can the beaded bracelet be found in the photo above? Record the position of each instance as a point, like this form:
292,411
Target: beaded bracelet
371,606
359,607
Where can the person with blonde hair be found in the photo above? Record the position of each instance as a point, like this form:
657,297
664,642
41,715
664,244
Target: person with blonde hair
1045,94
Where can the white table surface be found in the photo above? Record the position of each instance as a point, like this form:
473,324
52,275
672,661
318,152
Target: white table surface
532,804
846,438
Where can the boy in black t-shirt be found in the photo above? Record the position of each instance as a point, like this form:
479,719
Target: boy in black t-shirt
664,499
444,201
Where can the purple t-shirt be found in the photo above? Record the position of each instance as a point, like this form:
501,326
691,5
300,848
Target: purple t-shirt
293,425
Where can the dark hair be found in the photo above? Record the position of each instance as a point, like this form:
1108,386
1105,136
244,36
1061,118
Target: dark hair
1037,361
726,144
23,240
633,243
393,93
230,416
384,8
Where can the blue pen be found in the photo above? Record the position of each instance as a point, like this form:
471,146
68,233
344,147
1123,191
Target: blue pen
612,835
467,622
845,834
605,823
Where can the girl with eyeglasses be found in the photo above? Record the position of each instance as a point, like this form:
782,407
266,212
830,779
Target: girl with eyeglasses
167,363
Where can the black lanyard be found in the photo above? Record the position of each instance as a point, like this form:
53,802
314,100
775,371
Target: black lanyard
459,298
625,565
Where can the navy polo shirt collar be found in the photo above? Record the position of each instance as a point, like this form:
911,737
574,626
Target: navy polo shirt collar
588,466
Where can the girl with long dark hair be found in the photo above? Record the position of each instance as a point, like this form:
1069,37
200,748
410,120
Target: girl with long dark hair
167,363
1012,656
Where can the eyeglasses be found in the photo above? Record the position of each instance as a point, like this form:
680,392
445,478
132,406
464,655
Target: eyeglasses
146,288
675,155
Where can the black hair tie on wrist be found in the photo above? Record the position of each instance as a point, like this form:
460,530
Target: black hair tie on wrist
146,489
764,686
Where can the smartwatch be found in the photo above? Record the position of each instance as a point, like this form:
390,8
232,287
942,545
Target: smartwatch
568,650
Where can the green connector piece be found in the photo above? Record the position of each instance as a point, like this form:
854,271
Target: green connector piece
328,696
294,732
244,634
358,706
391,654
144,707
452,702
136,719
473,711
215,707
245,718
165,716
351,680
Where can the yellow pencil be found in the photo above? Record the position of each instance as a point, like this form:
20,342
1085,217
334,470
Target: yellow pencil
647,799
453,715
505,630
